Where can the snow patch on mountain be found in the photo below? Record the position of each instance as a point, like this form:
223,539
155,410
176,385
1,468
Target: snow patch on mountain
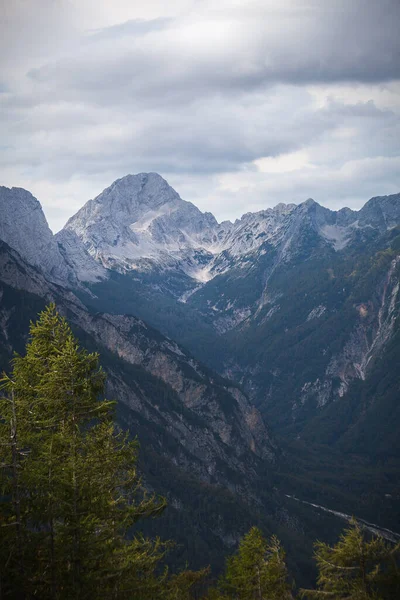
81,264
338,236
140,221
316,312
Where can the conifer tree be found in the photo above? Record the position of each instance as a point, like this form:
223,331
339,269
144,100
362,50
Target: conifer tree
357,569
182,585
256,572
69,488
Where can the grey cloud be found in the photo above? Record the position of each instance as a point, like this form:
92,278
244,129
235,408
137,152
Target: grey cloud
350,186
208,136
330,42
212,136
134,27
201,96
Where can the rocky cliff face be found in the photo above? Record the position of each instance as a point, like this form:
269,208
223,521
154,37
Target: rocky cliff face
140,223
299,305
24,227
373,328
210,419
260,290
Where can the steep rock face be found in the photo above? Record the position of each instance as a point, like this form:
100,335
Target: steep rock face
80,265
381,212
210,419
260,290
139,221
24,228
141,224
373,328
225,411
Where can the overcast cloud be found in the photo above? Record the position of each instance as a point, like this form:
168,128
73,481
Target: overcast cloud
239,104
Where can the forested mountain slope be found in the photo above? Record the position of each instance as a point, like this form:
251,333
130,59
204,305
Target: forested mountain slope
297,305
203,445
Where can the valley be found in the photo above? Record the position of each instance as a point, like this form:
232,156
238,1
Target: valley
256,361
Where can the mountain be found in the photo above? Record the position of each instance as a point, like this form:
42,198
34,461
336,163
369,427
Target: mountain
297,304
24,227
256,299
198,432
295,307
140,222
203,444
229,428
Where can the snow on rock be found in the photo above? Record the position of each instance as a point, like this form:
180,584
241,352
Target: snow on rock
139,218
140,221
338,236
316,312
81,264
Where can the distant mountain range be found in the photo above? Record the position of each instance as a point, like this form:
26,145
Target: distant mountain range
296,308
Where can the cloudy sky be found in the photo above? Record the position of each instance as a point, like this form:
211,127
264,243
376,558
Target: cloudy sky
239,104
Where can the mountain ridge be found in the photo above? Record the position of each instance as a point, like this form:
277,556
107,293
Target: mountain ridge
159,229
140,223
298,306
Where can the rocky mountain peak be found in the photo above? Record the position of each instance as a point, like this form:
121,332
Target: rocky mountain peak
132,191
140,222
24,228
127,200
141,218
23,225
382,212
310,202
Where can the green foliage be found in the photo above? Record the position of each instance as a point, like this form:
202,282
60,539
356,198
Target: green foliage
256,571
182,585
70,493
356,569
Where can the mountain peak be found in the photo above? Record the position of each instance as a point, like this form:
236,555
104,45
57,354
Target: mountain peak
19,195
381,211
23,225
125,202
139,218
24,228
309,203
131,191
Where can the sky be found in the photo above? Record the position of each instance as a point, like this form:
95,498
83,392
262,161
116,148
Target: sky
238,104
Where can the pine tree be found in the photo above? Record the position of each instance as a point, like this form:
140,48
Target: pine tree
356,569
70,492
256,572
182,585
